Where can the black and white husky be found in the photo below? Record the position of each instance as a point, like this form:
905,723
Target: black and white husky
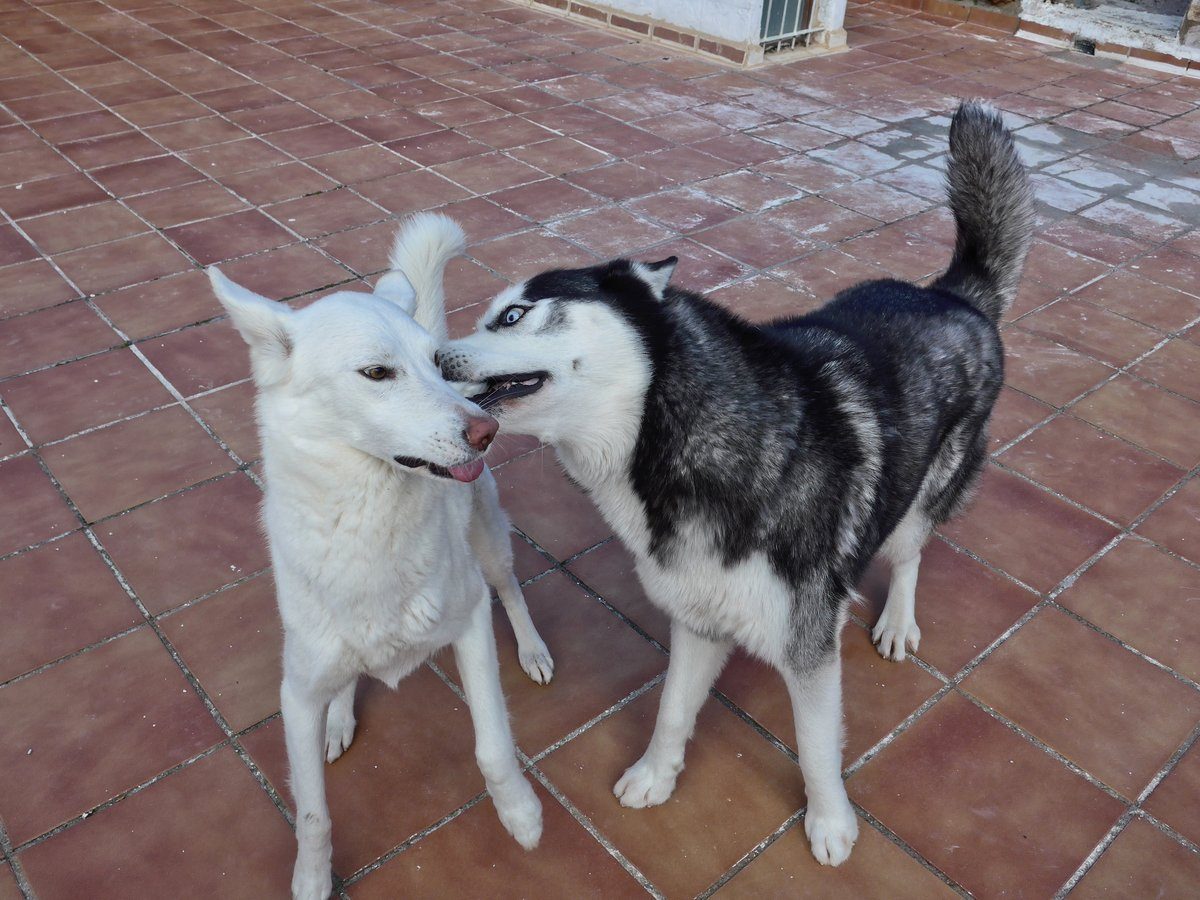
755,470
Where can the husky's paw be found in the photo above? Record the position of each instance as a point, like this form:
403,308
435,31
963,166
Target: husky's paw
339,732
311,882
537,662
645,783
831,833
892,639
521,815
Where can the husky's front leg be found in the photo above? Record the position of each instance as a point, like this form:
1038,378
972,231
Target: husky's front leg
516,804
829,820
695,664
305,708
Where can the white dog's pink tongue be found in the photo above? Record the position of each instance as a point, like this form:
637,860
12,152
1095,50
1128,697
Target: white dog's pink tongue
467,472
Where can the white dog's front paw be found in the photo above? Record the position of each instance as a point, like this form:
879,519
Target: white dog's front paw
646,783
339,732
311,881
892,639
831,833
537,662
521,815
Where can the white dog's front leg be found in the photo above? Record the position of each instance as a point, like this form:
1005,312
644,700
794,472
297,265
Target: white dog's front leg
304,713
339,724
829,821
516,804
695,664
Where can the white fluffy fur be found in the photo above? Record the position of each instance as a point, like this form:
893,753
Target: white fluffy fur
378,566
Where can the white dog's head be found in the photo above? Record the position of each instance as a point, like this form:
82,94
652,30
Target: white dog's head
561,354
355,370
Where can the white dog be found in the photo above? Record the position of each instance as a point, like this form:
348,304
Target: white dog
383,523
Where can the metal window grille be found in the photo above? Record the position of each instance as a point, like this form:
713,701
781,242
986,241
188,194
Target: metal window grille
786,24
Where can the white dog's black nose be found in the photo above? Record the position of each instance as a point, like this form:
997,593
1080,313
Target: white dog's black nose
480,431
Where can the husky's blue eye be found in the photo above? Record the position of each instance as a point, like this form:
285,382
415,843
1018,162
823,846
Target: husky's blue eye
512,315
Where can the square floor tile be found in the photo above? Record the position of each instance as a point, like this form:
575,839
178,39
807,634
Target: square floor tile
410,192
232,842
232,643
525,255
1115,715
189,544
34,509
1159,623
989,809
543,503
611,232
1027,532
94,726
962,605
1174,523
1093,468
228,237
188,203
675,845
86,393
761,298
33,285
161,305
876,868
50,336
1142,300
121,263
229,412
1175,366
1048,370
567,854
123,465
414,742
877,694
753,240
543,201
598,660
201,358
1093,330
83,227
58,599
609,572
1147,416
1142,862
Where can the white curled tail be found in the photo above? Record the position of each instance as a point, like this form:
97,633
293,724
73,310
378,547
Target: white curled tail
424,244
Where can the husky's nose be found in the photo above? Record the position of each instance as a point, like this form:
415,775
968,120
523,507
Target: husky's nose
480,431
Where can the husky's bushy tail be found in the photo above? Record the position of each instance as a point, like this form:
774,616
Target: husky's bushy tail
424,244
992,202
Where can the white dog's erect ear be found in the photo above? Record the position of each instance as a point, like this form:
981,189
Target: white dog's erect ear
656,274
396,287
261,322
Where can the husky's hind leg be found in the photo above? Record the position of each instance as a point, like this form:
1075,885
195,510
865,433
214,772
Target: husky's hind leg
490,541
896,632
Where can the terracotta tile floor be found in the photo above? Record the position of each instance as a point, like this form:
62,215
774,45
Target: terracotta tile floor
1043,741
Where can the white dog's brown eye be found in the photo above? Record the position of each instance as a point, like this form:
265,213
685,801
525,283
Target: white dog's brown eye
377,373
512,315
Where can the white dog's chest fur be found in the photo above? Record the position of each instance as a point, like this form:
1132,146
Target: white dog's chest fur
366,582
747,602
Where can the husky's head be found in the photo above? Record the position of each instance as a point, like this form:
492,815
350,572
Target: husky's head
553,353
354,370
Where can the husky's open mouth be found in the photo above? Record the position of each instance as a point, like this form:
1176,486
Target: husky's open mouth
508,387
465,472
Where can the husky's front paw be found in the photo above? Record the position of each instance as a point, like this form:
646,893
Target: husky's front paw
339,732
521,815
536,661
893,638
646,783
831,833
311,881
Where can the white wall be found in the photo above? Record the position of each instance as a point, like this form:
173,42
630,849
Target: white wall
733,20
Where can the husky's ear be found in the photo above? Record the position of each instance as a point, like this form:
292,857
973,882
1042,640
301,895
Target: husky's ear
656,274
396,287
262,323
